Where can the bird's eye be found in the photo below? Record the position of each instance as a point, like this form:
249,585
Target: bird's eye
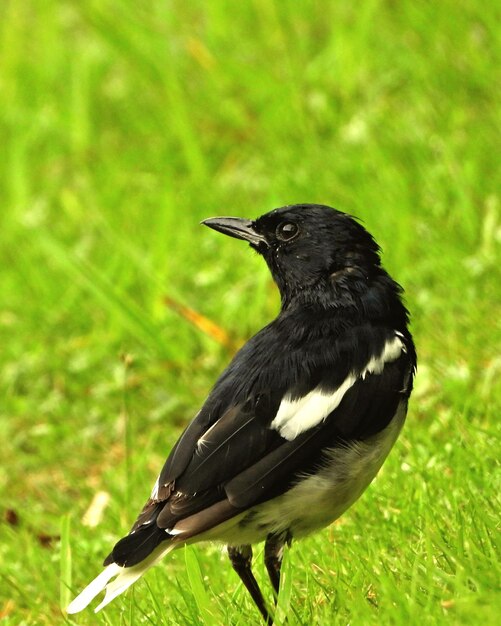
287,231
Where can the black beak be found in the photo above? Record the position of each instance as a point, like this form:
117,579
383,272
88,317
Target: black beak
236,227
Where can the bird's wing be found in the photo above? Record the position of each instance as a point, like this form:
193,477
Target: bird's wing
256,449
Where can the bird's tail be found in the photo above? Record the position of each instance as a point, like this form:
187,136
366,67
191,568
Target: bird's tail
123,578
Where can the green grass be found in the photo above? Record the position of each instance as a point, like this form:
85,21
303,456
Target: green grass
122,125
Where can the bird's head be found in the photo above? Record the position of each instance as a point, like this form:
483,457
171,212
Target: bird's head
307,246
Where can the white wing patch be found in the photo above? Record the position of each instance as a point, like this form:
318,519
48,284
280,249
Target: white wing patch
391,352
296,416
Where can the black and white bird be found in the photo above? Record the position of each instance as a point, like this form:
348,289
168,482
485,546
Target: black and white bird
302,419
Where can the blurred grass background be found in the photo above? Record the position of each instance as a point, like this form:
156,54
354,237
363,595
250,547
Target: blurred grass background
122,125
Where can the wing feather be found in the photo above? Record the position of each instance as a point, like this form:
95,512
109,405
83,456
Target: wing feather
232,457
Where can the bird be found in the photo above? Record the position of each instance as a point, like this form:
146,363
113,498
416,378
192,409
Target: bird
301,420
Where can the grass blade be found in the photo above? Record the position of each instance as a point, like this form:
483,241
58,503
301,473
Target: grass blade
197,585
65,563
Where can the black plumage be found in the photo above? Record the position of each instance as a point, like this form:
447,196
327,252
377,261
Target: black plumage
319,394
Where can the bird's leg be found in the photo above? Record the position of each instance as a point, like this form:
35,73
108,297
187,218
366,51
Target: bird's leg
273,554
241,559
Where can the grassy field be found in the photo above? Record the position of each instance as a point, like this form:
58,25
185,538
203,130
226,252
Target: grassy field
122,125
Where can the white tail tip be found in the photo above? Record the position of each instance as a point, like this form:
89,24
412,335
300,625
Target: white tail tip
90,592
125,577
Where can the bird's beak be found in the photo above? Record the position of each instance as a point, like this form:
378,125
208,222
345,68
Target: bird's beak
236,227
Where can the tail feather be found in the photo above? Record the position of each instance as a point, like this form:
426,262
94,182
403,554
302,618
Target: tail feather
135,547
125,577
86,596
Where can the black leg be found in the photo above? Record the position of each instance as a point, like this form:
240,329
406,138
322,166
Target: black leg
241,559
273,554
